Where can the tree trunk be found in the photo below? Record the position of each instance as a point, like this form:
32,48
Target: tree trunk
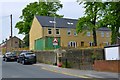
94,23
94,37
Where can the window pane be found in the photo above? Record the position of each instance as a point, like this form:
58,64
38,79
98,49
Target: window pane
107,34
69,32
88,33
75,34
102,34
49,31
57,31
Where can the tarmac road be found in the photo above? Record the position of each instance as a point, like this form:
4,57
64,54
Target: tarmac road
16,70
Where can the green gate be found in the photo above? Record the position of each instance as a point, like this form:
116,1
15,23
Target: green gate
46,43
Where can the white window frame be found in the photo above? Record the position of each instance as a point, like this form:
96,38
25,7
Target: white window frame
75,33
72,42
58,31
49,30
68,31
91,43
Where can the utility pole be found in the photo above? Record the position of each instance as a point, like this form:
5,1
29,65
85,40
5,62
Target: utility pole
11,32
11,24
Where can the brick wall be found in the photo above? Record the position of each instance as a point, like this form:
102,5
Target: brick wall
107,65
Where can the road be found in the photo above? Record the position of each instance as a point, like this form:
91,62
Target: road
16,70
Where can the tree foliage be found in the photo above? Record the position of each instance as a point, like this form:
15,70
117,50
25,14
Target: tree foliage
42,8
112,19
93,12
101,14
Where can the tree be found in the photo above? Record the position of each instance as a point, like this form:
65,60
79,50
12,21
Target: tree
42,8
93,12
112,19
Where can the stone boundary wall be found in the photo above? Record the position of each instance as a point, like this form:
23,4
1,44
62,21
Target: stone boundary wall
48,57
74,58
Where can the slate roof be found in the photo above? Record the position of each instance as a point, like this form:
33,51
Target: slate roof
104,29
62,22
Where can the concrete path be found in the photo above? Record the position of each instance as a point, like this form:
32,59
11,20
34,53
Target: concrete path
80,73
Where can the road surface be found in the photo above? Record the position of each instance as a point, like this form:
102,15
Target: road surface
16,70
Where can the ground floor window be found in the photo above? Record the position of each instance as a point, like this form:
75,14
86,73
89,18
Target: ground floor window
91,43
82,43
72,44
105,43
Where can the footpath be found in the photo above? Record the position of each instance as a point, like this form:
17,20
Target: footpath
81,73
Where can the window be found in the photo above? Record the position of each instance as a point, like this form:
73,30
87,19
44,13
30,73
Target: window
69,32
88,33
57,31
91,43
107,34
105,43
72,44
75,33
82,43
102,34
49,31
69,23
52,22
16,42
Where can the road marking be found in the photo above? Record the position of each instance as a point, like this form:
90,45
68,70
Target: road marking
66,73
95,76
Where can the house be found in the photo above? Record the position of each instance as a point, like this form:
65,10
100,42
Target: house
44,29
12,43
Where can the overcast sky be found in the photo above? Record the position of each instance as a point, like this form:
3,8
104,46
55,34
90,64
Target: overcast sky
71,9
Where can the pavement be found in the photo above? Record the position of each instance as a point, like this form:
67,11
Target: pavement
81,73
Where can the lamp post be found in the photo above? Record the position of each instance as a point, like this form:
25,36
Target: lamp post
55,34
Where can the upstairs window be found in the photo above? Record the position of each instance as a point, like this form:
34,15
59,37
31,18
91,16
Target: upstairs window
88,33
69,32
75,33
107,34
58,31
49,31
102,34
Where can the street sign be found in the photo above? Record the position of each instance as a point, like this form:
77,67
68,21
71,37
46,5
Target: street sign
55,41
55,44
